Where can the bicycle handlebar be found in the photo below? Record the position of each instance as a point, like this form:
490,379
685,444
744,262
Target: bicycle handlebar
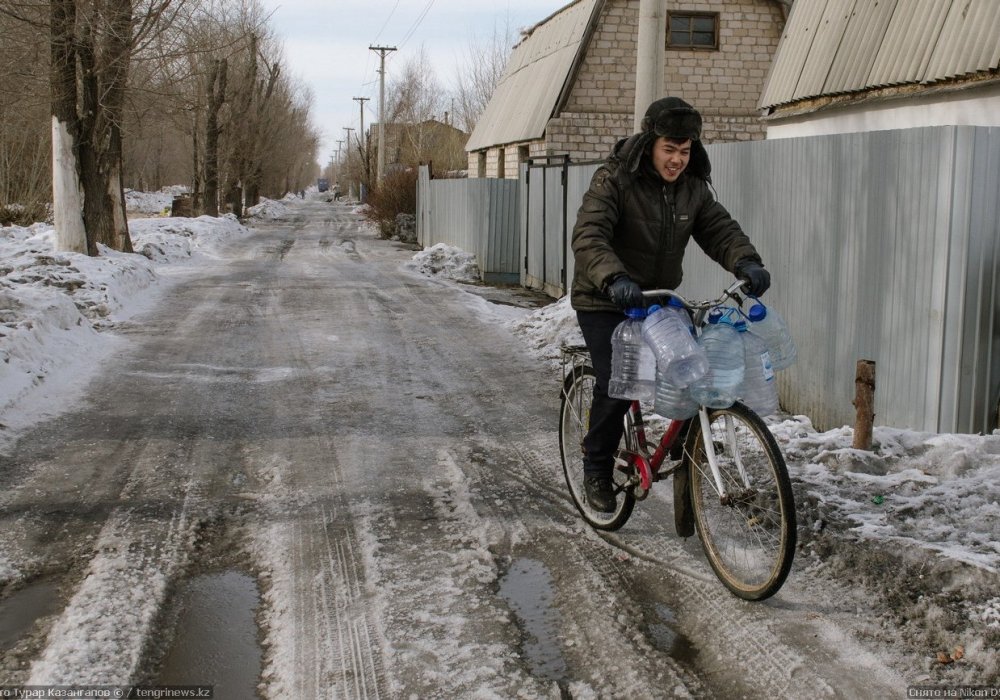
729,293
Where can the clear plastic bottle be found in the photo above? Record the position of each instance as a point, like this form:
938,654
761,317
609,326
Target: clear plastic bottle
667,330
632,362
767,323
759,390
720,387
672,401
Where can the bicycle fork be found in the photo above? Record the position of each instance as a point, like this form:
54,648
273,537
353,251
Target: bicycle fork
713,460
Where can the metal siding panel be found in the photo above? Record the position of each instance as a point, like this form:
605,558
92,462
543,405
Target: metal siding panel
909,40
536,226
554,228
862,227
967,42
829,34
577,183
862,38
793,50
985,231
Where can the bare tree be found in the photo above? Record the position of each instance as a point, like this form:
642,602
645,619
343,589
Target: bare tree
92,44
485,61
25,168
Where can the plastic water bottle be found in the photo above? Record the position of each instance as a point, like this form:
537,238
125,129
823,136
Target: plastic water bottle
671,401
724,348
759,390
667,330
768,324
632,362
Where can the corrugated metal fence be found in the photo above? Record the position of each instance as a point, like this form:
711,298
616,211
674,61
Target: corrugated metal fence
478,215
882,246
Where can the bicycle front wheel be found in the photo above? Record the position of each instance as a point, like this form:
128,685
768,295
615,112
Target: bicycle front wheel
574,420
748,530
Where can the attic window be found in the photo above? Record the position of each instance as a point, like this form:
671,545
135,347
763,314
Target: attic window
693,30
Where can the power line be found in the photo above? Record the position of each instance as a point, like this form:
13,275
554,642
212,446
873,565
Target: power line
417,23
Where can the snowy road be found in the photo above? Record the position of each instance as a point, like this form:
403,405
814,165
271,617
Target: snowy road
383,463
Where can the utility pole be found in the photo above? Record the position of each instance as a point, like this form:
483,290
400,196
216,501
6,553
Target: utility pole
361,139
382,51
650,54
347,138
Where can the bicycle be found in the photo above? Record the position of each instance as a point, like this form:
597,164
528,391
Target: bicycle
730,479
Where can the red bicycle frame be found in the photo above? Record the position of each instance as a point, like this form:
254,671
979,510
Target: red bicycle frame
648,468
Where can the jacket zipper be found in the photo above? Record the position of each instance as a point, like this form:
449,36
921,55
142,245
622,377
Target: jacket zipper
669,224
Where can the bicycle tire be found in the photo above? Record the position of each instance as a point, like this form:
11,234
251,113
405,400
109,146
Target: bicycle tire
750,540
574,412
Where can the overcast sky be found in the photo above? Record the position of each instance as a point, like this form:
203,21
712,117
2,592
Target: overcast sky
326,46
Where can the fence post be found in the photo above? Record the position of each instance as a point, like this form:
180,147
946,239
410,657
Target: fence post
864,404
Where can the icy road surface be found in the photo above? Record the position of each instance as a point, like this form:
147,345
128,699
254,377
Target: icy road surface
382,460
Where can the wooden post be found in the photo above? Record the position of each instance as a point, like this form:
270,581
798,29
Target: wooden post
864,404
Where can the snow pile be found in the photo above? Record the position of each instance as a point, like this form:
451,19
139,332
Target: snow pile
153,203
269,209
53,304
178,238
443,260
548,328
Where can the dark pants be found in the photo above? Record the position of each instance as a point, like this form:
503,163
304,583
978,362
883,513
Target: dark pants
606,414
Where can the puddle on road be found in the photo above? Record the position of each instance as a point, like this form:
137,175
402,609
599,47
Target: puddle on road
662,625
215,642
19,612
527,588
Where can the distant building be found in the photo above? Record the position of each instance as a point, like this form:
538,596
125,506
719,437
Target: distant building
569,86
871,65
430,141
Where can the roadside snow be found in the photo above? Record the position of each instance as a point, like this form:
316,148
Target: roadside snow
58,310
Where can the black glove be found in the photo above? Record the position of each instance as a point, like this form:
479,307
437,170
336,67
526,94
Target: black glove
625,293
759,279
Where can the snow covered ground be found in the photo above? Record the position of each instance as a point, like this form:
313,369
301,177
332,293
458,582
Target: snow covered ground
924,505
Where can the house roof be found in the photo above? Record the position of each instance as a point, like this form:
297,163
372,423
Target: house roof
529,89
832,47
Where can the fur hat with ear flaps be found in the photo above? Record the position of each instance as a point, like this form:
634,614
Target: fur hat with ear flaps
674,118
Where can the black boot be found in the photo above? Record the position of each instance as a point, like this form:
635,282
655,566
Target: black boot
600,493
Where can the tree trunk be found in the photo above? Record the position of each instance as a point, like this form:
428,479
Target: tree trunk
67,196
216,96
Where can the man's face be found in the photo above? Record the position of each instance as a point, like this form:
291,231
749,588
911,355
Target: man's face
670,158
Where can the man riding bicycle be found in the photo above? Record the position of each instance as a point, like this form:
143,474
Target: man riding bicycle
644,202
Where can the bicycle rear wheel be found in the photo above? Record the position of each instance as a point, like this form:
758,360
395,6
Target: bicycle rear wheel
574,419
748,536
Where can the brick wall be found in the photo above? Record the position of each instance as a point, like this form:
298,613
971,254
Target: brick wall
724,84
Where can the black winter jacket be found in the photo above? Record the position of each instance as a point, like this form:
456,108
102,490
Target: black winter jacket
636,223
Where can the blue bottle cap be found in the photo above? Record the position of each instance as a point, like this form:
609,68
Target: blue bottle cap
757,312
715,315
635,313
654,307
674,301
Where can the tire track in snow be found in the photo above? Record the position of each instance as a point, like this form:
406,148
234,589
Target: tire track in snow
320,637
101,636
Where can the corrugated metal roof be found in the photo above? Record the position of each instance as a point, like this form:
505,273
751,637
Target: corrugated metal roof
539,65
839,46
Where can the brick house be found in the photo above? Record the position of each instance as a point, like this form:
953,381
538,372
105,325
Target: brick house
569,85
873,65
